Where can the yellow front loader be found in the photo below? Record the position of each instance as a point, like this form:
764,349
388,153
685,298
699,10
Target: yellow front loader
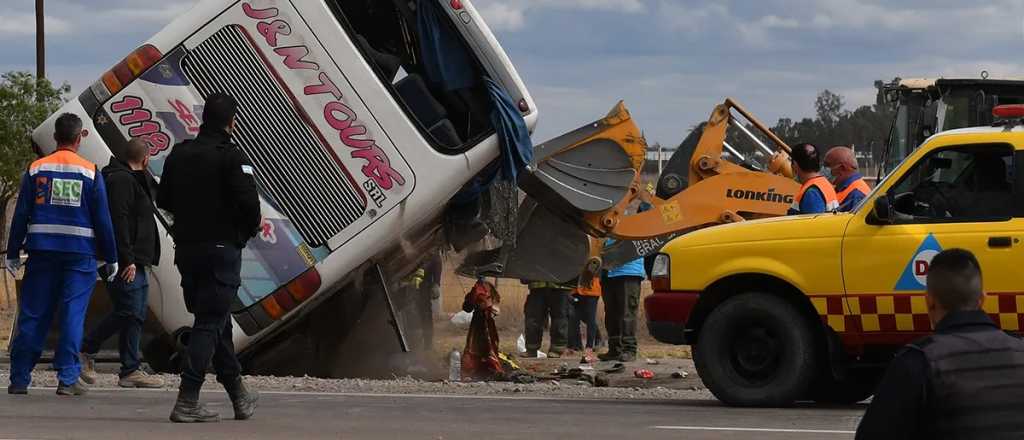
587,184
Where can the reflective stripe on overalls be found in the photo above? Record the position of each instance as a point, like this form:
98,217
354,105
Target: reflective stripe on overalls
62,204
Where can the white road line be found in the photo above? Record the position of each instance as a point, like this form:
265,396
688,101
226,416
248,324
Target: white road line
723,428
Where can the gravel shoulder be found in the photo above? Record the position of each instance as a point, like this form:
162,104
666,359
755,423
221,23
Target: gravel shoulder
622,385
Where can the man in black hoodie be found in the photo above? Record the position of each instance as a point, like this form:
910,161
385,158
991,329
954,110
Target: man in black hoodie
129,193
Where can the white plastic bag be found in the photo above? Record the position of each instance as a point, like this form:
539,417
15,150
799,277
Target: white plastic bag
462,319
521,347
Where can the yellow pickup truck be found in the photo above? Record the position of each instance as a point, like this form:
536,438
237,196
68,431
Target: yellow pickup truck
813,307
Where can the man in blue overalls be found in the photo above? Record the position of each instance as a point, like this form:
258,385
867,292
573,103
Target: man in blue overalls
62,220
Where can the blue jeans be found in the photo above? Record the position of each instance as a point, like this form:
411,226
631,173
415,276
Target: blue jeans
53,280
129,303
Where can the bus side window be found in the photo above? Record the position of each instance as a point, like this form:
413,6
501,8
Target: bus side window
430,113
451,120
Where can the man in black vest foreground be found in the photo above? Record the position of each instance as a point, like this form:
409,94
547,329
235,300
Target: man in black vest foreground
966,381
209,188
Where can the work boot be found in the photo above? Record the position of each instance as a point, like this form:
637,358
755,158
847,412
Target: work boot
242,399
17,389
628,356
187,409
75,389
139,379
88,374
609,356
529,354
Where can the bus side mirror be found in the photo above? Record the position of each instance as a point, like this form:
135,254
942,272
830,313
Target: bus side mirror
882,212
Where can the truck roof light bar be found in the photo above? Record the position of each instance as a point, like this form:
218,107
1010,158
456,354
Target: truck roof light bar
1008,111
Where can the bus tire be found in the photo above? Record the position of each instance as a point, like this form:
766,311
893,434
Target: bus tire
756,349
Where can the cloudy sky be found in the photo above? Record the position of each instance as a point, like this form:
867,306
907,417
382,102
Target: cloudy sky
670,60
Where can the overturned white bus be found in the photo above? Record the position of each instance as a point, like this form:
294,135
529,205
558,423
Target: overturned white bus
363,118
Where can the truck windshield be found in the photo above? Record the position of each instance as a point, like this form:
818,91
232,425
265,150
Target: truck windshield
899,144
452,117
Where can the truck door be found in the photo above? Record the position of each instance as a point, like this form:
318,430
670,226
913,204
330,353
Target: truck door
961,196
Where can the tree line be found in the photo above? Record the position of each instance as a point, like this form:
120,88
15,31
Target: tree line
866,128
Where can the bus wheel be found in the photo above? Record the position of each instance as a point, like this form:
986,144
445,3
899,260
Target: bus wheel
755,349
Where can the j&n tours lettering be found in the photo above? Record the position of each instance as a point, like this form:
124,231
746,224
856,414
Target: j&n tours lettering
336,113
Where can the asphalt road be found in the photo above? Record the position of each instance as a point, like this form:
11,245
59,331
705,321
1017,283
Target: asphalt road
121,414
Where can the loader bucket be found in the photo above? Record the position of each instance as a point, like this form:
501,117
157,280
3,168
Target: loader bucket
590,172
547,248
578,183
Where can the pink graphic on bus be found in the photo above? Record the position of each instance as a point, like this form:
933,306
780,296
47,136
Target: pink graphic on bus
140,123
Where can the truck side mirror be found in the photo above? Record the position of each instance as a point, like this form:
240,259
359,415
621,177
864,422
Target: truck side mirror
882,212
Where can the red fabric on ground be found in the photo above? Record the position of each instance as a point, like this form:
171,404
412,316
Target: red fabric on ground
480,358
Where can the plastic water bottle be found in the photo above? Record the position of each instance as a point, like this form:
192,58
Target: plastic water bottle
455,365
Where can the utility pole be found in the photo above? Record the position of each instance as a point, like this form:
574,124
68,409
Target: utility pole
40,42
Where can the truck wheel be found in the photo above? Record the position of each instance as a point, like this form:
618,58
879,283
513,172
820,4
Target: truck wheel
857,386
756,350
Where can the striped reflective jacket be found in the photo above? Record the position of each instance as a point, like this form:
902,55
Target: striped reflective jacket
62,206
828,192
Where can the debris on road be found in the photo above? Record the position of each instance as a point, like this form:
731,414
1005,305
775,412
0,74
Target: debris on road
680,375
644,373
455,365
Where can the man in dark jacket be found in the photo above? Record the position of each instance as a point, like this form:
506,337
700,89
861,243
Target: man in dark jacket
138,246
963,382
209,188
